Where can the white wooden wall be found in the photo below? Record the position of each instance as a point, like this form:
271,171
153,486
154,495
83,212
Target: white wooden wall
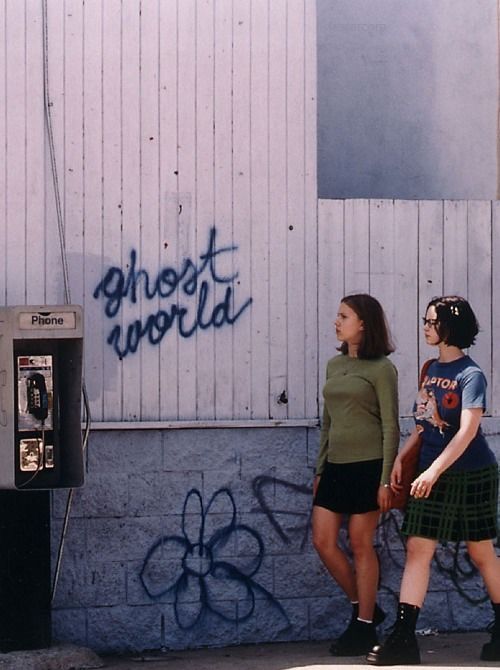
404,253
172,117
169,117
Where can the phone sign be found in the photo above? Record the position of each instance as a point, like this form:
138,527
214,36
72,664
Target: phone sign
47,320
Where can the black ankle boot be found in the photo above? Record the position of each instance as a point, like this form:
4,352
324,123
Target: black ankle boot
491,650
358,638
401,647
378,614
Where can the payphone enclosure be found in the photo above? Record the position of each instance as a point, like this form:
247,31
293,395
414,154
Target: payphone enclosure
41,360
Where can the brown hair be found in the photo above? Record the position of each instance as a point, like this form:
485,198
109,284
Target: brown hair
376,340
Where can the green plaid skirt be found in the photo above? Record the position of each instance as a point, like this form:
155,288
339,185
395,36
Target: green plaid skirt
461,506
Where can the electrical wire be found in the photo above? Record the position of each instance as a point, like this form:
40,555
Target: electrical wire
67,293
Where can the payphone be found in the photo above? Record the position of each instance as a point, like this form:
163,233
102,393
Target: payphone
41,358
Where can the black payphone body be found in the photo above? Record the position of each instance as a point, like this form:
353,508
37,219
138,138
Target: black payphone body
41,359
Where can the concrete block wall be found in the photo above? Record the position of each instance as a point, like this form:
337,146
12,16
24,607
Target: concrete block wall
201,537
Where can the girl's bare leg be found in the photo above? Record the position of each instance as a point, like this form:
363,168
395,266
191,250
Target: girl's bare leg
415,582
361,533
326,526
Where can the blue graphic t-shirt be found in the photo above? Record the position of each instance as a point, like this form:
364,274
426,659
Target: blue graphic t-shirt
446,390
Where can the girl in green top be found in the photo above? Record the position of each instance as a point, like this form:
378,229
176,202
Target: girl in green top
358,445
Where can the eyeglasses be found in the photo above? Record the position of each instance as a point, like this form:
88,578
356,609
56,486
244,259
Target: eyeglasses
429,322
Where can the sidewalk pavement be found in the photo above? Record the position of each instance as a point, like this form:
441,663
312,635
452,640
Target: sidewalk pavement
439,652
445,651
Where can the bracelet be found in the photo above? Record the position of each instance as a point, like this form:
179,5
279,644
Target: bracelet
386,486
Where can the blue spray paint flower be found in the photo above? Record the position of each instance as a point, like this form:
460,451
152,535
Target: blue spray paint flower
192,565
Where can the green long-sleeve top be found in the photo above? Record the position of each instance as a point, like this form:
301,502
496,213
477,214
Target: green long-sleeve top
361,413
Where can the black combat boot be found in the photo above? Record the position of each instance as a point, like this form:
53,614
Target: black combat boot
491,650
401,647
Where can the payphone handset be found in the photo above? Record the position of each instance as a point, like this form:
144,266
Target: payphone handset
35,412
35,388
37,396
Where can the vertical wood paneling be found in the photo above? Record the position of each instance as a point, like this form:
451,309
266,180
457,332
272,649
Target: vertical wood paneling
278,46
186,151
111,405
223,172
170,118
260,208
382,254
204,201
330,279
15,151
356,246
310,213
480,273
242,225
150,196
494,382
384,261
418,250
455,243
131,188
430,263
405,299
93,201
169,199
296,233
35,157
53,275
73,168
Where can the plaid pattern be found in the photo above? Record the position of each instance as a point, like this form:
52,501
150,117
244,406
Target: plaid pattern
461,506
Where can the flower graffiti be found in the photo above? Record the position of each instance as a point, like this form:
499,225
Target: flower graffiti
194,565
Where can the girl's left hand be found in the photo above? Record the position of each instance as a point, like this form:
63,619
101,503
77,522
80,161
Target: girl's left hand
422,485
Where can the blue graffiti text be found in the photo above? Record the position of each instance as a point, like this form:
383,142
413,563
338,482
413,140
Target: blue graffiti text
193,280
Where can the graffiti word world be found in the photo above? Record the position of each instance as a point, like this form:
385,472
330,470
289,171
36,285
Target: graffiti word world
188,290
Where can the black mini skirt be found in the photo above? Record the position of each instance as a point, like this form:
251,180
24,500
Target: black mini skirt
350,488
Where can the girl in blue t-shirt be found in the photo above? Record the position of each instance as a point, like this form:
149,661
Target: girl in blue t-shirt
455,495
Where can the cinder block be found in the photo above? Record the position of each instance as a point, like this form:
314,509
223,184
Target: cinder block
329,616
70,625
470,610
128,451
85,584
127,539
124,628
194,449
104,495
271,622
303,576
